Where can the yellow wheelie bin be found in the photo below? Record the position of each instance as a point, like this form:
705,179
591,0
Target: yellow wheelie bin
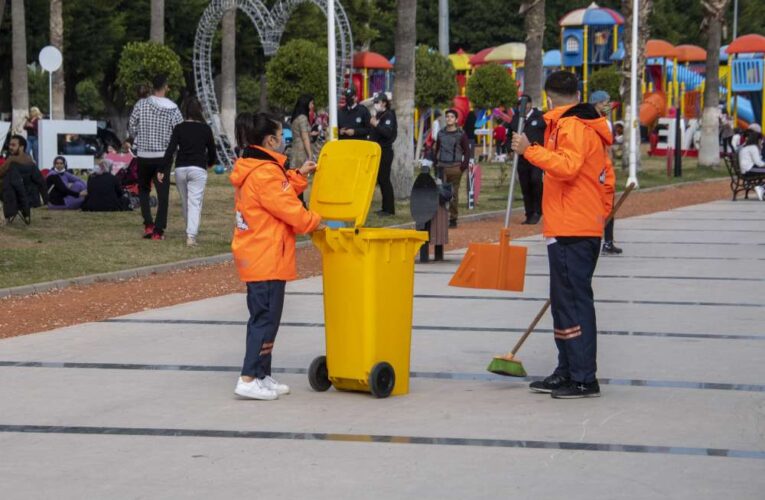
368,276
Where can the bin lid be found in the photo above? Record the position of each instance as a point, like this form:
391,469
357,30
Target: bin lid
345,180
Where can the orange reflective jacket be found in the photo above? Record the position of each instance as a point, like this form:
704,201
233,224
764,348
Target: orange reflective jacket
268,216
576,198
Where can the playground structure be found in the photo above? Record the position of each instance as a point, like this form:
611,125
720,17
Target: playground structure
270,25
745,87
372,74
590,38
461,62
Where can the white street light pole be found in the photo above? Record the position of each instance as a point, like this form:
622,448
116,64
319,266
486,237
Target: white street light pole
735,19
332,67
633,118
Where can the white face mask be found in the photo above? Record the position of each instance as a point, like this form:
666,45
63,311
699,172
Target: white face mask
549,103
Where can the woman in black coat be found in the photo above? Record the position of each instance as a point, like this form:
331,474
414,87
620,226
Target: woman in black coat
104,191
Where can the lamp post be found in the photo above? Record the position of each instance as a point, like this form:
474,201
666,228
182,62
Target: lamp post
633,123
332,69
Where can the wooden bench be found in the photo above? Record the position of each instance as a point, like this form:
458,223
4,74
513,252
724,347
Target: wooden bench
741,182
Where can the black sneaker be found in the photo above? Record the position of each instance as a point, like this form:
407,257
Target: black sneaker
453,223
577,390
27,219
549,384
383,213
534,219
610,249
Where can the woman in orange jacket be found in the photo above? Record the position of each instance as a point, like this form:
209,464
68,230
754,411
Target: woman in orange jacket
268,216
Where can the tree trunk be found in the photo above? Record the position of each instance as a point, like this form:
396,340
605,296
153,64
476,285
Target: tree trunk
157,33
403,97
534,23
57,40
228,75
709,151
19,76
644,31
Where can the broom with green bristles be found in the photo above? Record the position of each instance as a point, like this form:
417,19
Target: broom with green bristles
507,364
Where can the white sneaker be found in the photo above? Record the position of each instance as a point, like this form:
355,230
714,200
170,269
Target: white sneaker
760,192
271,383
254,390
191,241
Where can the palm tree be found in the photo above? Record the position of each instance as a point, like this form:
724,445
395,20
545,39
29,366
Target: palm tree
228,74
709,151
157,33
644,31
57,40
19,77
403,96
534,23
2,11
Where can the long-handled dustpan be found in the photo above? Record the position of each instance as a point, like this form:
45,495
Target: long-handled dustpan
497,266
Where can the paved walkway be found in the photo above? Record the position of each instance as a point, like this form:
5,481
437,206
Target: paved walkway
142,406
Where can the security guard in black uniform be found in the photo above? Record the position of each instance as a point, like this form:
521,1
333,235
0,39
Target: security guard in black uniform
353,118
529,176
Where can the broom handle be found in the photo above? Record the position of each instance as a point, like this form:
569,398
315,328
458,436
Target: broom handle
530,328
542,311
521,123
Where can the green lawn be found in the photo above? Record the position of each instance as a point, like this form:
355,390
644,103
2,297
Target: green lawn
68,244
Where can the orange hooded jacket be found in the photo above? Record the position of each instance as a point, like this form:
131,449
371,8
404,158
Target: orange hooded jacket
579,184
268,215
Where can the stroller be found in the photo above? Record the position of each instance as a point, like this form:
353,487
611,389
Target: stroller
128,177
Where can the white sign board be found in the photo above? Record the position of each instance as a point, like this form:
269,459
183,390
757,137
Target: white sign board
48,148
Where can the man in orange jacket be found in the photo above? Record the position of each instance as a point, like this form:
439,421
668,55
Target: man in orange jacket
576,201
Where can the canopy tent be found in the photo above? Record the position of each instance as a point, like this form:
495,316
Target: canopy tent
552,59
690,53
594,15
370,60
512,51
480,58
460,60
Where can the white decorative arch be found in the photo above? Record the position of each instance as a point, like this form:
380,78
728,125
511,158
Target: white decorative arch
270,26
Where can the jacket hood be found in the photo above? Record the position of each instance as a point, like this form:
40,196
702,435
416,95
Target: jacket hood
161,104
585,113
252,158
22,159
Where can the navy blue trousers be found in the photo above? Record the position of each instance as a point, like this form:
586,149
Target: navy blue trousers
265,301
572,264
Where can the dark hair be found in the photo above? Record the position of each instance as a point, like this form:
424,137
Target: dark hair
752,137
562,83
66,166
159,82
302,106
143,91
253,129
21,140
192,109
454,112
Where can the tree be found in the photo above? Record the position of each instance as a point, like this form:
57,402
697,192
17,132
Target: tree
89,102
646,7
2,12
57,40
491,85
709,151
403,97
299,67
19,79
533,12
157,34
140,62
37,83
228,74
247,93
608,79
435,79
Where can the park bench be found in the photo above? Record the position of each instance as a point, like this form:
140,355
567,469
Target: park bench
741,182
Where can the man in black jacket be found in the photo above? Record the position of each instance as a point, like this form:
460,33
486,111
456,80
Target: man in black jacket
529,176
384,132
353,119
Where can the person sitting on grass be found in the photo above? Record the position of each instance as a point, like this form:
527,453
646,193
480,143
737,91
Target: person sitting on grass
12,190
105,193
66,191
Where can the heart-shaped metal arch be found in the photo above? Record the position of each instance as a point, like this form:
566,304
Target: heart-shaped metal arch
270,26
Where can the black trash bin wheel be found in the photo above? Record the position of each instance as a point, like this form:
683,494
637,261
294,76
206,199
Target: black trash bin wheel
318,375
382,380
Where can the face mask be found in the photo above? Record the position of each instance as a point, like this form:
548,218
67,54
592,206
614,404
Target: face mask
549,103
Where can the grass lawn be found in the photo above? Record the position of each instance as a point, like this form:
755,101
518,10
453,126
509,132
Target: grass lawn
62,244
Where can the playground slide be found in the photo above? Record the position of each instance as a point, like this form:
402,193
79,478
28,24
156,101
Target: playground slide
655,104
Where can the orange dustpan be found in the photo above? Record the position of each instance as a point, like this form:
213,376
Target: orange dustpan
497,266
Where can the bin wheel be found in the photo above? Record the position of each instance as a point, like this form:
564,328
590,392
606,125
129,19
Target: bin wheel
318,375
382,379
